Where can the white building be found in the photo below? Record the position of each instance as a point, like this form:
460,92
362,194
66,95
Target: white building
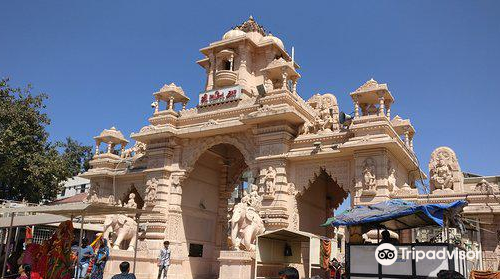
74,186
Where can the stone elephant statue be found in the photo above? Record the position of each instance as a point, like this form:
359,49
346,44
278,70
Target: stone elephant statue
246,224
124,227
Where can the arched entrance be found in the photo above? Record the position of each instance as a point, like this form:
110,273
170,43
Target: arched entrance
204,204
318,202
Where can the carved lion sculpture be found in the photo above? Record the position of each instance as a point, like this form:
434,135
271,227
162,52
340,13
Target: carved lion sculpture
124,227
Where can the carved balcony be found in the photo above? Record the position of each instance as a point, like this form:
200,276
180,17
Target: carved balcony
225,78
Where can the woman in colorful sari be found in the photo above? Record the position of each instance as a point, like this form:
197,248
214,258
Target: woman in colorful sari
101,258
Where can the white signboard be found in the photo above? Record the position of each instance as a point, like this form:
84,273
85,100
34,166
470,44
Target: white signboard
219,96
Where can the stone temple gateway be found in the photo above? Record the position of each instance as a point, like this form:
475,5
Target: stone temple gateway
299,162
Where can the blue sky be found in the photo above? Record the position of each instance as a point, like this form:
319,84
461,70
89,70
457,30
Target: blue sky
100,61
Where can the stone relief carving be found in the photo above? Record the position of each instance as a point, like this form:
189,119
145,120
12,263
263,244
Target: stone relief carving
147,128
131,201
326,111
485,187
94,192
151,188
245,221
391,180
264,110
294,209
210,122
369,179
137,149
123,228
442,165
269,181
174,223
405,190
194,148
338,170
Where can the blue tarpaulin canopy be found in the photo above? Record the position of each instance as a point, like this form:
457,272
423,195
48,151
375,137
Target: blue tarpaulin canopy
397,215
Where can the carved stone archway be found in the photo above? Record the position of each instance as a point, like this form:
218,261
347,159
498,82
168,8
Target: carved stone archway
196,147
317,201
339,170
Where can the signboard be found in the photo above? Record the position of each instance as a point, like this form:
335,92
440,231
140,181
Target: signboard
219,96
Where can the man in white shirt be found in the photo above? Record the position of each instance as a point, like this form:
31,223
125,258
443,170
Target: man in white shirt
164,260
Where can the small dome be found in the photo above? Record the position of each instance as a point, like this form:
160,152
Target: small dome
233,34
276,40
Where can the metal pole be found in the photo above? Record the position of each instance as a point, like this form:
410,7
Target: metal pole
478,235
137,219
7,245
2,245
79,248
114,178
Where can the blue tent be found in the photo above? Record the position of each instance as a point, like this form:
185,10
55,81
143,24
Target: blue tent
398,214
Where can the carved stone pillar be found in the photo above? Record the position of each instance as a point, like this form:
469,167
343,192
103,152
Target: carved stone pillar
407,138
222,218
381,108
268,84
388,111
157,105
356,107
275,206
211,72
371,176
122,148
284,77
97,143
242,70
171,103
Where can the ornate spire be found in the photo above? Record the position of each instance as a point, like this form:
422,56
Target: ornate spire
251,26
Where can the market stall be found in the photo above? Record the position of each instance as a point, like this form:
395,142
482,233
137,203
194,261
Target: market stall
49,214
281,248
398,215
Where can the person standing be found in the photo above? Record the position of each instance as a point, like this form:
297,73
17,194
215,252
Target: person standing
164,260
85,253
101,258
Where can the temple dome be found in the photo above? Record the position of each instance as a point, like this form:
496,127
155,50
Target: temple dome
271,38
233,33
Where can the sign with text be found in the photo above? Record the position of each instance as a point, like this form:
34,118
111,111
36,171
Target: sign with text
219,96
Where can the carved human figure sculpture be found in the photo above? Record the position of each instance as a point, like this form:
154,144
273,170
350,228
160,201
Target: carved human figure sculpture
442,176
131,201
326,110
369,180
269,181
391,180
151,188
444,170
123,227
